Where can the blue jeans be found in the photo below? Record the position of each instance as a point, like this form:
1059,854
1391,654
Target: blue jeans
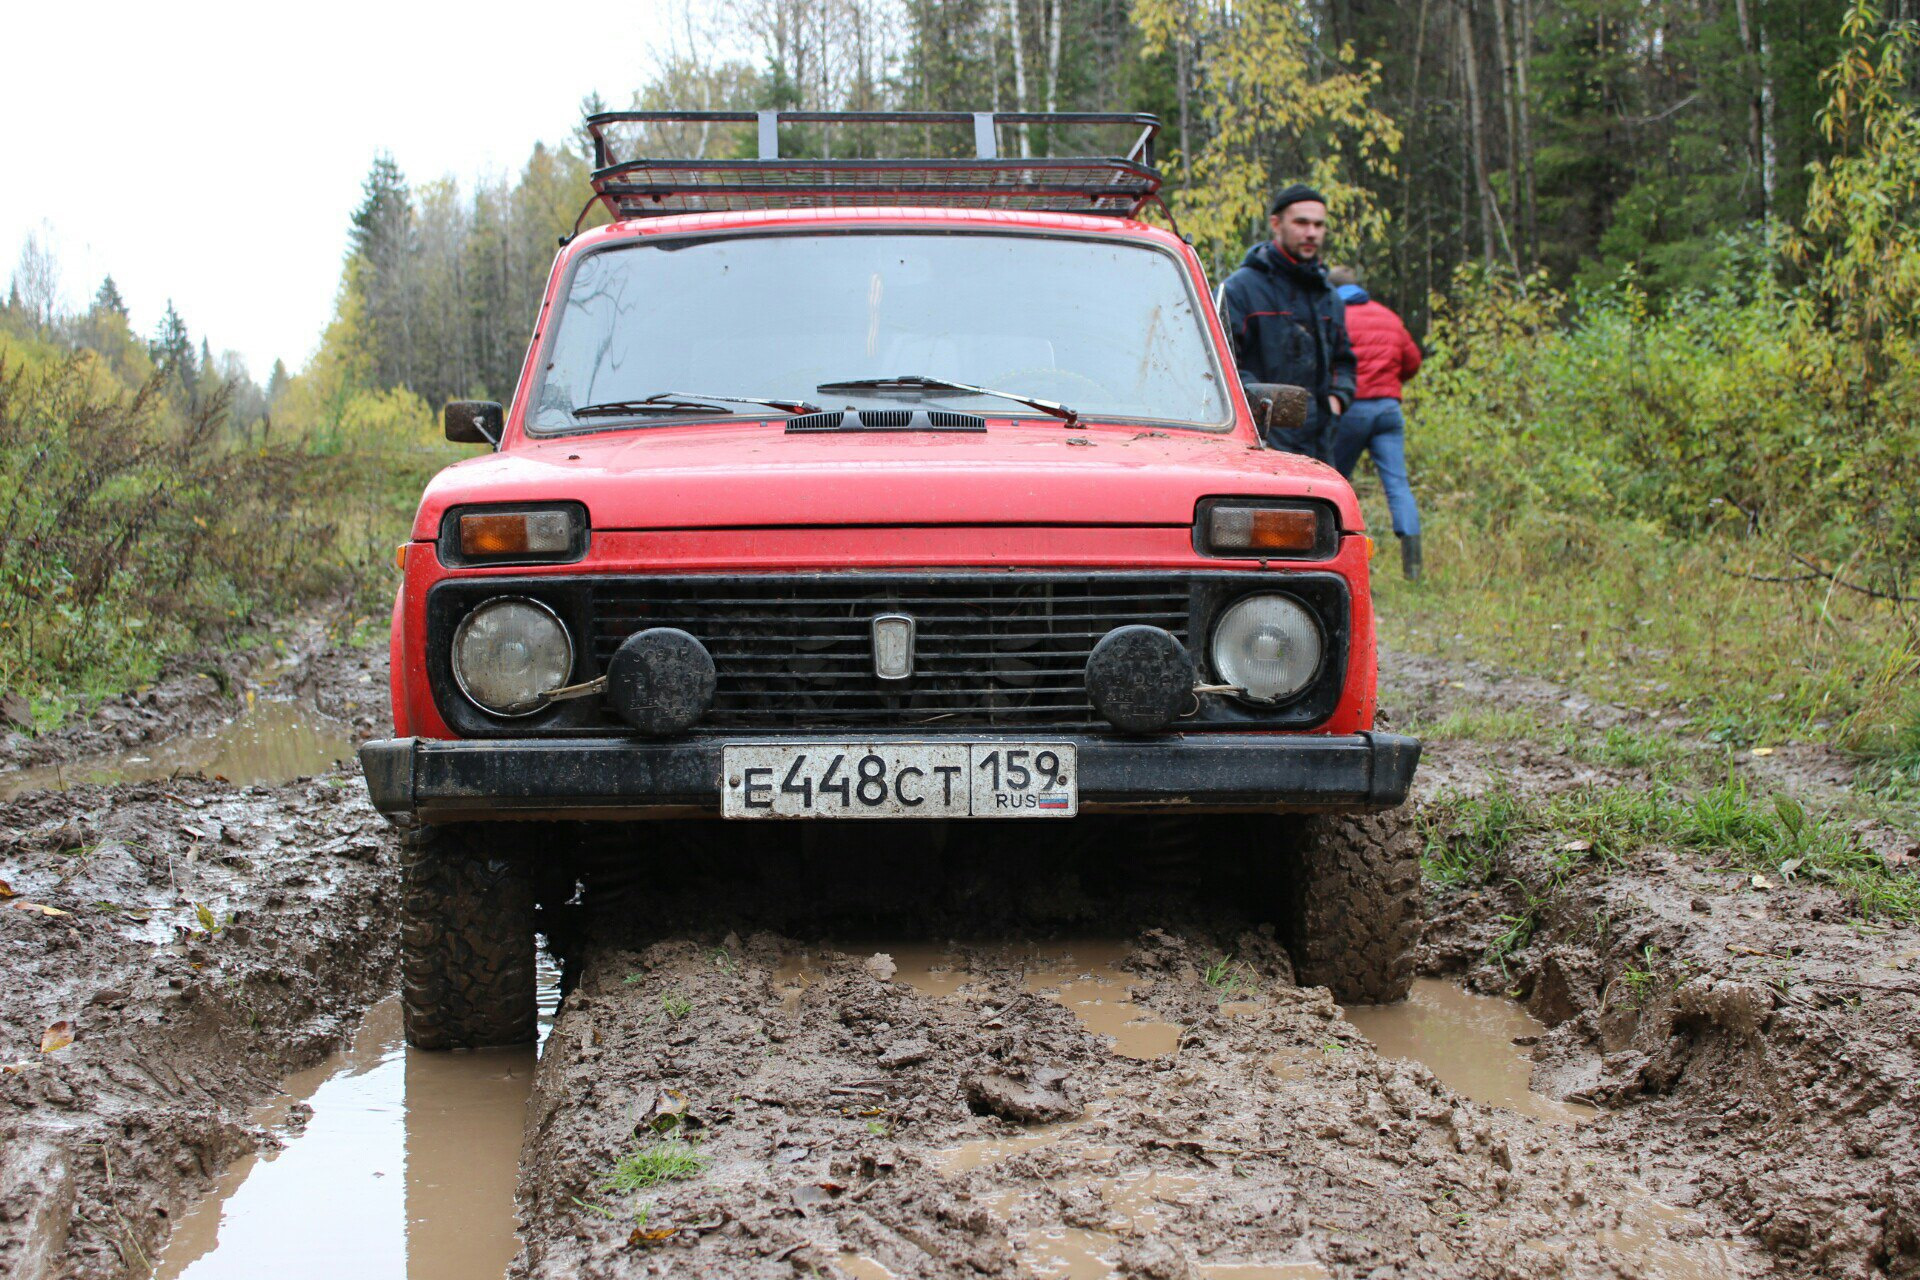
1376,427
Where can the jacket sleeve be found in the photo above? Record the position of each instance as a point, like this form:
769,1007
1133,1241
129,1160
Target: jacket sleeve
1410,357
1233,313
1341,366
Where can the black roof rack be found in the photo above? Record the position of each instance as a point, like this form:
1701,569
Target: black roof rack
645,186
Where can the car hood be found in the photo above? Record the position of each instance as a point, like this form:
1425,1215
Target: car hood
754,475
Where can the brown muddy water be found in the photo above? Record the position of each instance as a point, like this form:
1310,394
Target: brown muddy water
1473,1043
397,1164
271,740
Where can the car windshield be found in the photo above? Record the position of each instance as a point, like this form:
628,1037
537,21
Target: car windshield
1109,327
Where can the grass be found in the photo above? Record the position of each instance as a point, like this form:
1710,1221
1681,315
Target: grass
670,1160
1624,748
676,1005
1464,837
1228,977
1483,724
1625,614
1640,981
1595,830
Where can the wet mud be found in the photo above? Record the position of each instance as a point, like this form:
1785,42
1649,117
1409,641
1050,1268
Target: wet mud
172,945
1000,1051
340,689
1137,1099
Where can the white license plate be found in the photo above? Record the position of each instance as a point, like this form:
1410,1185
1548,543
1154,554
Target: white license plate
900,780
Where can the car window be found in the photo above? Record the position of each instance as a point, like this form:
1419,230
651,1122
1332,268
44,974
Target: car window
1109,327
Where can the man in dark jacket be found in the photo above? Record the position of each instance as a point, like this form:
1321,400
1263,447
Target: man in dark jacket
1287,325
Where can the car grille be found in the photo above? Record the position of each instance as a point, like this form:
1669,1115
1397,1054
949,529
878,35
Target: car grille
1001,649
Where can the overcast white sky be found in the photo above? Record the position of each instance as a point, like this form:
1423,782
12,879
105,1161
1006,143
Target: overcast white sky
212,153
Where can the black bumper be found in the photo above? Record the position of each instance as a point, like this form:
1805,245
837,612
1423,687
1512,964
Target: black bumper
619,778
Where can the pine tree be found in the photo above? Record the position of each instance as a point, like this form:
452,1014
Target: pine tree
591,105
385,268
386,206
277,382
108,301
172,350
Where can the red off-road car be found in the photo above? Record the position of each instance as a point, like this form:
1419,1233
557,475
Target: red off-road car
882,490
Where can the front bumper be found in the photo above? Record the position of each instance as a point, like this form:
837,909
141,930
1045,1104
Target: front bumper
620,778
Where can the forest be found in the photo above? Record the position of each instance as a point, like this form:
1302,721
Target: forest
1664,255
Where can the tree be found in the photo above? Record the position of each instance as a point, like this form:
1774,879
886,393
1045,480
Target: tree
277,382
1861,239
1275,110
172,350
382,265
108,301
36,280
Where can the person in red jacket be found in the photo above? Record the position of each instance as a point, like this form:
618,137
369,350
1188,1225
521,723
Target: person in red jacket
1373,424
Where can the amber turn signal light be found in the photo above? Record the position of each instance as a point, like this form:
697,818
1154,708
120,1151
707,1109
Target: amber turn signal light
1269,530
519,533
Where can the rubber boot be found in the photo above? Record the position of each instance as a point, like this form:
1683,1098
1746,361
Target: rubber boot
1410,557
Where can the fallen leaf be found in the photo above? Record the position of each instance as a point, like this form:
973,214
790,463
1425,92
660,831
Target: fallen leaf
1763,751
1760,882
6,890
56,1037
1576,846
42,908
651,1235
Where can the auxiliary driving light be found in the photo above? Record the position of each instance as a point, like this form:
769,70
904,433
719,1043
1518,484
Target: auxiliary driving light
1269,646
509,653
1140,678
661,681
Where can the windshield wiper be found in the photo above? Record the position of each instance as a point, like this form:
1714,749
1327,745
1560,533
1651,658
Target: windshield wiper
919,381
685,402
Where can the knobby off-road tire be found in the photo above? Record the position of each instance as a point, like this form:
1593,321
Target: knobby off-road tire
466,941
1350,903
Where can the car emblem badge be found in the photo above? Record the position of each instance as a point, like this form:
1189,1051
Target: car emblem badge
893,646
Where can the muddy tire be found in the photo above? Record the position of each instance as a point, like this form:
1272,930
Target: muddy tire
1350,903
466,942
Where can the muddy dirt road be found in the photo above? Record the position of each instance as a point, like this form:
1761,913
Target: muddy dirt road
1053,1058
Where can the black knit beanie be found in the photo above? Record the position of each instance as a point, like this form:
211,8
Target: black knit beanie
1294,195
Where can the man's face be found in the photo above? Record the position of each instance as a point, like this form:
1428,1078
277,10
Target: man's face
1300,228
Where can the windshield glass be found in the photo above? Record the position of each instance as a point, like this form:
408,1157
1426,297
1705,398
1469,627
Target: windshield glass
1110,328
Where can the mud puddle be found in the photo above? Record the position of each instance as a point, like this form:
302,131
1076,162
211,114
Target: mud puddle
397,1163
1083,975
1033,1108
1474,1043
271,741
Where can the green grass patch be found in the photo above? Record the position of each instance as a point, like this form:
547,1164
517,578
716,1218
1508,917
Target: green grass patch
1228,977
1482,724
1628,748
1463,837
1594,830
669,1160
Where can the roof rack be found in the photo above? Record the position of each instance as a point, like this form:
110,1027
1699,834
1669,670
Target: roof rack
647,186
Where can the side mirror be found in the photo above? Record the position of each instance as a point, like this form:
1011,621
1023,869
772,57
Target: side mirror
1278,406
475,422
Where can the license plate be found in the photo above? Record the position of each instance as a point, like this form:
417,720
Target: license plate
899,780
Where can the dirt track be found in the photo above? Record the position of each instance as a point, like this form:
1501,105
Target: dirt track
958,1108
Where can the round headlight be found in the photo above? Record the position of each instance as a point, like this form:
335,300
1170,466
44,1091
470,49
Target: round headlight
1268,645
508,652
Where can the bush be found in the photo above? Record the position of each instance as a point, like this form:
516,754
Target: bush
131,528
